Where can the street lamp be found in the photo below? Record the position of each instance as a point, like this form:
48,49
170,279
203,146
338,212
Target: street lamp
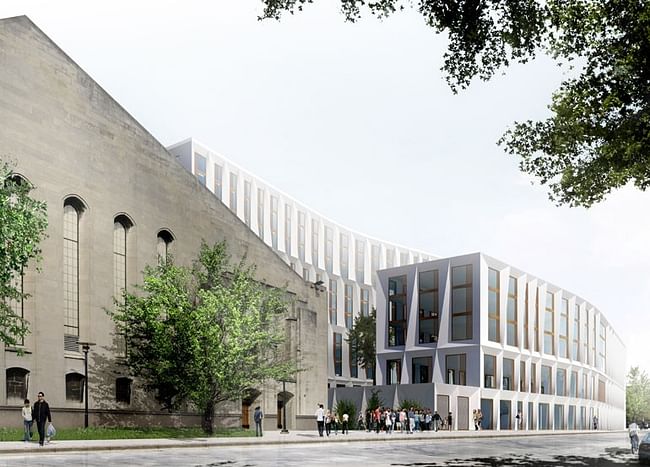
85,346
284,430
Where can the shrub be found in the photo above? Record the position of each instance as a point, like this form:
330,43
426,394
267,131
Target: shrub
348,407
407,404
375,401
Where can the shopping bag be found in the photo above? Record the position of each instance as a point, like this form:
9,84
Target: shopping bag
51,431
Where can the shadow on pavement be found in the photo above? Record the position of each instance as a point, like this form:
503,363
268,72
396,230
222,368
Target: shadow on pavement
611,457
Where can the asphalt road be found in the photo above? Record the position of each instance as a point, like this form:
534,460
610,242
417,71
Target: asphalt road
606,449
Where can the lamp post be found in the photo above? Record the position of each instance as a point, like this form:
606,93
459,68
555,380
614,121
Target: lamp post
85,346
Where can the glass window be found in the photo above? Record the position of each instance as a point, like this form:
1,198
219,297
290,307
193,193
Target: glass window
533,377
164,240
486,411
233,192
456,369
559,417
360,260
544,421
200,164
301,236
374,260
17,383
123,390
429,313
512,313
549,330
572,417
505,415
390,257
338,354
508,374
332,301
365,302
393,371
260,212
546,380
274,222
74,387
537,328
397,311
345,255
490,371
564,328
602,340
493,305
526,321
461,302
575,348
573,386
349,311
314,242
287,229
121,226
329,249
522,376
71,271
354,369
403,258
247,202
422,369
218,181
560,382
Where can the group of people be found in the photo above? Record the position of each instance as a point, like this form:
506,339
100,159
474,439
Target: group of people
329,420
39,413
411,420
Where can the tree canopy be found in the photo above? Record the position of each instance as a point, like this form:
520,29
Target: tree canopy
637,395
597,137
203,334
362,340
23,222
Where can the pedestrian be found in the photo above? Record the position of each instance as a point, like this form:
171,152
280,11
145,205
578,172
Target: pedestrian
41,414
411,417
480,419
517,421
369,418
336,421
258,416
320,419
346,421
328,422
595,422
436,420
633,432
360,425
27,421
449,421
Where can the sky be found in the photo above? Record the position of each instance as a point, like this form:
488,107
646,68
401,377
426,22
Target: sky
356,121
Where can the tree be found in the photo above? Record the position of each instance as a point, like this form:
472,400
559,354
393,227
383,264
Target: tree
23,222
362,341
205,334
637,395
597,138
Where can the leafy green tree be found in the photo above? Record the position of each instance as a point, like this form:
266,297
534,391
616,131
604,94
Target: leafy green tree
205,334
375,400
23,222
637,395
362,340
598,136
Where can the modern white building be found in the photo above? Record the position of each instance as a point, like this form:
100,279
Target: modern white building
481,334
317,248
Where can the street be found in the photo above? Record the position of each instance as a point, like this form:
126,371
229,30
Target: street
602,449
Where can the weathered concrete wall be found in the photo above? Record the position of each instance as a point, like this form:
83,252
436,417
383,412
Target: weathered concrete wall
69,137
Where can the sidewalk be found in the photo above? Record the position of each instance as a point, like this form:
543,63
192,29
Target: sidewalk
270,438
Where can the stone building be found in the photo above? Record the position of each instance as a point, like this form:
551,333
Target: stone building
116,199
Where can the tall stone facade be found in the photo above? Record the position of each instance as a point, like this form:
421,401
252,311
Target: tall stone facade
98,169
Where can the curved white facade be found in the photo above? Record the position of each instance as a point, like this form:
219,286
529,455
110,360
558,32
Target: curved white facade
314,246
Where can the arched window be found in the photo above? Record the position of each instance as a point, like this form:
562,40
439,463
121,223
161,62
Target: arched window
74,387
17,383
121,226
72,209
123,390
164,241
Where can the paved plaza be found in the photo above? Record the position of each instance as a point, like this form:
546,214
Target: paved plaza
461,449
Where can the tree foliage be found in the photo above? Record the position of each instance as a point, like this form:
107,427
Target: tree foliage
23,222
346,406
375,400
362,339
637,395
205,334
598,136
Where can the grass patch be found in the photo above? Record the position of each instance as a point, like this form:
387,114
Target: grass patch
16,434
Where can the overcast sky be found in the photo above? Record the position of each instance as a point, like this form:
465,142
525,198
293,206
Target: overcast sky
357,122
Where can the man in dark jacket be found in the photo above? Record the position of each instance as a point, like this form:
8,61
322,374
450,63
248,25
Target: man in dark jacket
41,414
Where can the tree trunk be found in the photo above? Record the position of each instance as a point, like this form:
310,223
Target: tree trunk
208,418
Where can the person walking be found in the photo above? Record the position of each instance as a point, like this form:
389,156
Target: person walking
346,421
258,416
475,418
27,421
449,421
518,421
41,414
436,420
328,422
480,419
633,431
320,419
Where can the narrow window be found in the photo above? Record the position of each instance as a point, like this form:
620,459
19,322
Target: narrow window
493,306
533,377
287,229
397,311
301,236
354,369
247,203
164,241
274,222
403,258
537,319
546,380
338,354
345,255
456,369
374,259
200,164
329,249
508,374
349,311
422,369
602,341
512,314
393,371
314,242
560,382
123,390
71,214
549,329
218,181
461,302
522,376
490,371
390,257
332,302
121,226
365,302
360,260
17,383
429,313
260,212
564,328
233,192
575,347
526,321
